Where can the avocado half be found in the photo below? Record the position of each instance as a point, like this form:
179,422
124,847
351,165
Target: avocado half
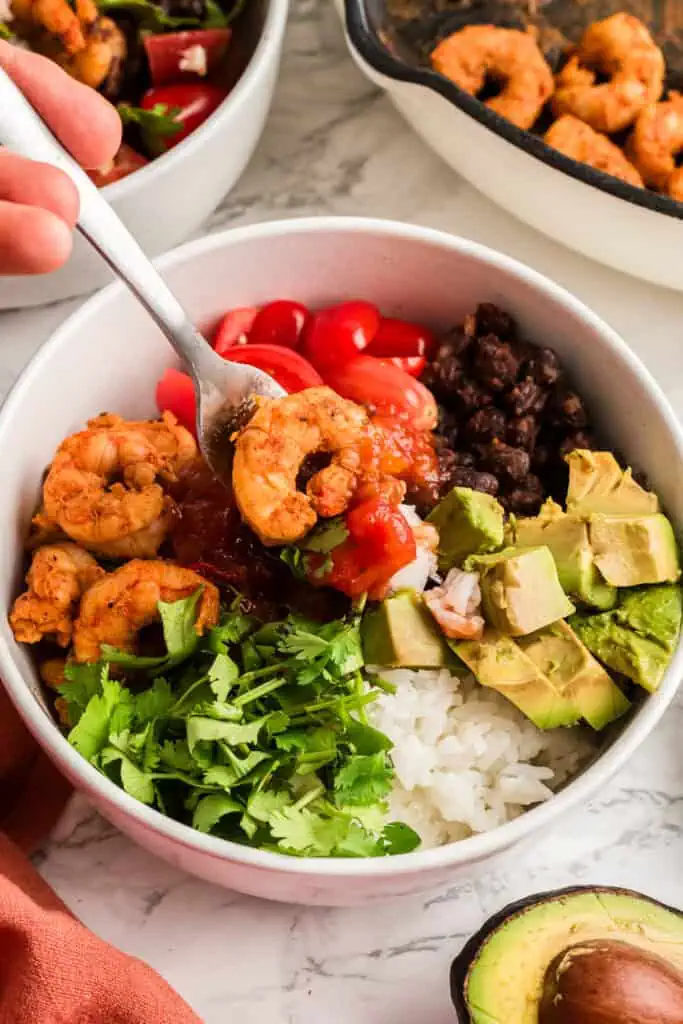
502,974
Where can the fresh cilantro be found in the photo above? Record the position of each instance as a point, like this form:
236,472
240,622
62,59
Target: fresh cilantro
326,536
156,125
256,731
5,31
153,18
294,558
363,780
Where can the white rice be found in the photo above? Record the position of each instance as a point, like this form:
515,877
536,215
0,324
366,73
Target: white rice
466,760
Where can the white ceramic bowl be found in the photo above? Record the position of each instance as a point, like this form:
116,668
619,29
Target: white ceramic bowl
622,226
108,355
167,200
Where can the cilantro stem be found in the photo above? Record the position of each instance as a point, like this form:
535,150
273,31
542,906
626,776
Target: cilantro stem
258,692
308,798
183,697
382,684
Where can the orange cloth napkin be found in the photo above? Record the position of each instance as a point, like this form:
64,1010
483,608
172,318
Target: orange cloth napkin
52,969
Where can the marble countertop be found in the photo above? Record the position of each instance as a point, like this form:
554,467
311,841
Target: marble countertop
333,144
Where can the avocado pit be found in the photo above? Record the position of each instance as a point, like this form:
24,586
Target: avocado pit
609,982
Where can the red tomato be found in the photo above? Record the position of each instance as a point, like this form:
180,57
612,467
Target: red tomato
337,334
380,543
414,365
124,163
401,338
288,368
166,53
234,328
175,393
195,102
280,323
386,388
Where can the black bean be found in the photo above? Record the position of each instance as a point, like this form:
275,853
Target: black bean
566,407
505,461
527,498
543,366
580,439
442,376
469,396
477,481
521,432
485,424
526,396
492,320
495,363
541,456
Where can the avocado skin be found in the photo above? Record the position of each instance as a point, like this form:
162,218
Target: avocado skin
462,963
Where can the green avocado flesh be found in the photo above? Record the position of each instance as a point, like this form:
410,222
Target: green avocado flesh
504,983
468,522
638,637
401,632
520,590
633,550
597,483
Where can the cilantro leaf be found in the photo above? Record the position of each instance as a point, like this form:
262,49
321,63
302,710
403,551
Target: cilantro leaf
264,803
175,754
81,682
201,730
91,732
397,837
135,782
326,536
156,125
294,829
222,674
154,702
303,644
294,558
363,780
211,809
365,739
153,18
180,636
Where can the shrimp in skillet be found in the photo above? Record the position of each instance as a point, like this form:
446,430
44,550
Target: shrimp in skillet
480,53
116,608
269,453
656,142
59,575
581,142
102,490
621,48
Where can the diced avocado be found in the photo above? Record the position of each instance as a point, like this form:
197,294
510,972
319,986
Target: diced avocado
637,638
559,655
469,522
653,612
497,662
632,550
401,632
520,590
597,483
567,538
623,650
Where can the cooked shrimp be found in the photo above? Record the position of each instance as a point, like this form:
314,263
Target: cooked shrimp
174,444
621,48
126,600
59,575
581,142
90,47
269,453
76,498
656,141
456,605
480,53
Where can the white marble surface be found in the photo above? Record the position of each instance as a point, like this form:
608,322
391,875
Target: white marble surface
334,145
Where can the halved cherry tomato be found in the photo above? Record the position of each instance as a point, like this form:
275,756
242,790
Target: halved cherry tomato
401,338
124,163
288,368
168,53
385,388
234,328
337,334
280,323
175,393
380,542
194,101
414,365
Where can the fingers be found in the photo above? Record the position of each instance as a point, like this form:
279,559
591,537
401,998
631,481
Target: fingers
33,184
87,125
32,240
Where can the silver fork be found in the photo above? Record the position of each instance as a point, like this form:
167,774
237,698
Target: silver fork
224,391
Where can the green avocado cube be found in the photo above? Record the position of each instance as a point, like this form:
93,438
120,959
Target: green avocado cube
653,612
520,590
497,662
400,632
597,483
469,522
623,650
632,550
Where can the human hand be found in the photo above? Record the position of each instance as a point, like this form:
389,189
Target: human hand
38,203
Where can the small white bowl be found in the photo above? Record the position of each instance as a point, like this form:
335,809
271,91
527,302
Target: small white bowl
631,229
108,356
168,199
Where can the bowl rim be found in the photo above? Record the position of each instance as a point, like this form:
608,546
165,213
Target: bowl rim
364,39
265,52
451,855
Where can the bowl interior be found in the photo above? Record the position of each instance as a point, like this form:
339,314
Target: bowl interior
108,356
396,37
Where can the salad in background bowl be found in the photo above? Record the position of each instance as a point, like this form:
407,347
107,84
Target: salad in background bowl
412,630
